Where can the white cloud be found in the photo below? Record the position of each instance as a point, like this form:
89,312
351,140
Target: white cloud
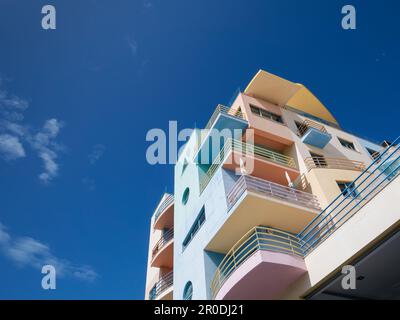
97,152
11,147
13,135
43,142
133,46
147,4
26,251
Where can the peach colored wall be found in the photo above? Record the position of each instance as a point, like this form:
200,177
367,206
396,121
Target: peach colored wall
265,127
324,183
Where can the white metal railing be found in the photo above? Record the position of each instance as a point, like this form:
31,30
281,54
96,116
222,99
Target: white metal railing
366,186
164,205
165,239
220,109
257,239
271,189
161,285
246,149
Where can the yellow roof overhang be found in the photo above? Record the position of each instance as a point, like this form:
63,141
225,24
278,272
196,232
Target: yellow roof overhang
281,92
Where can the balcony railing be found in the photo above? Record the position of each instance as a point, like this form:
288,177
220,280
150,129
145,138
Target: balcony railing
306,124
367,185
224,110
165,204
163,284
248,150
220,109
165,239
271,189
333,163
257,239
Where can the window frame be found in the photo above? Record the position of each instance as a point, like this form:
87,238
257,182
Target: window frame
185,196
266,114
186,289
351,189
372,152
320,163
195,228
344,142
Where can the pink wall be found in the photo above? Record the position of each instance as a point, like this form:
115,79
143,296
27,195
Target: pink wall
279,134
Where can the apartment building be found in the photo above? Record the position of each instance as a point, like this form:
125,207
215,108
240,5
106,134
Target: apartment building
276,205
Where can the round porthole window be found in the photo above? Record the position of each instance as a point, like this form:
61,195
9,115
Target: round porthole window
188,291
185,196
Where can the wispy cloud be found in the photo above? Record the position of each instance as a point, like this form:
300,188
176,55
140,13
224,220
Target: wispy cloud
15,135
43,142
26,251
96,153
147,4
10,147
132,44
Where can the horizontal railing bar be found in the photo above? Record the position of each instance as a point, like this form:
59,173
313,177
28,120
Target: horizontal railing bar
166,203
165,239
273,189
333,163
307,124
319,229
366,171
350,202
240,146
165,282
258,238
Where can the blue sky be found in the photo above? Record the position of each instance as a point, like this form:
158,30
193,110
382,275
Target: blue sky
76,104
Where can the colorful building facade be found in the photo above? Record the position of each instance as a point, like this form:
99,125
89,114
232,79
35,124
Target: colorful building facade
271,199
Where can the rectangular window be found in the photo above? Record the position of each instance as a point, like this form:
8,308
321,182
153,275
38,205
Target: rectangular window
347,144
348,188
201,218
266,114
374,154
319,160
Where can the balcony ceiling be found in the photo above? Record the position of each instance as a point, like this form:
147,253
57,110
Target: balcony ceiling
277,90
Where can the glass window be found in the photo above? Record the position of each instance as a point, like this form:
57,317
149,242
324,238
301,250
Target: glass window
374,154
201,218
188,291
318,159
185,196
347,144
255,110
266,114
348,189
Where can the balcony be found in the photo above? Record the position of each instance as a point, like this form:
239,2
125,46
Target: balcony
313,133
253,202
333,163
267,164
374,179
163,288
210,142
163,251
164,216
261,265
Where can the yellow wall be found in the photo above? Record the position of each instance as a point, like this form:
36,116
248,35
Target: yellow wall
323,183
